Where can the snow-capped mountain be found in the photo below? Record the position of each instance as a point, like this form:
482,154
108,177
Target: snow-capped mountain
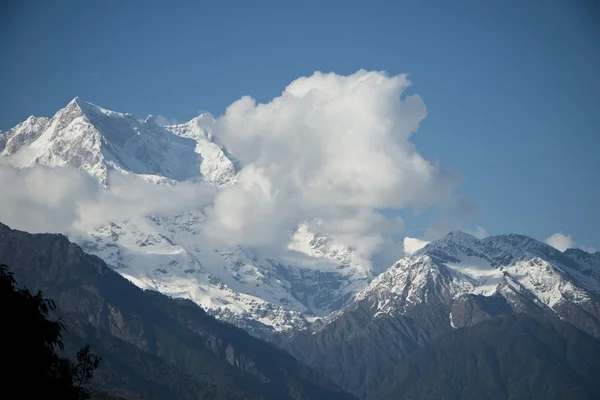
466,278
96,140
23,134
216,166
453,282
170,253
506,272
255,291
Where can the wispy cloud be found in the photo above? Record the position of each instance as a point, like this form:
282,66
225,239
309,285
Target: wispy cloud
164,121
45,199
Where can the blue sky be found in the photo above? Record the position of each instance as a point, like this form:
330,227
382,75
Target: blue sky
512,88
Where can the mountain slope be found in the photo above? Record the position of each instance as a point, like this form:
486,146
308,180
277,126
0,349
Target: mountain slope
238,285
151,344
508,357
454,282
217,166
97,140
23,134
172,252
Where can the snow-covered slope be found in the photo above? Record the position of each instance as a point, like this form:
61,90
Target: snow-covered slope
316,277
252,290
517,270
97,140
215,166
450,283
22,135
170,253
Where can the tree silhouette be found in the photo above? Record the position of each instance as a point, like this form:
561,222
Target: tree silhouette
31,368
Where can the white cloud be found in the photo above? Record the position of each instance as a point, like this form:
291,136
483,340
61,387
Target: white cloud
43,199
164,121
560,241
59,199
333,149
563,242
130,195
413,244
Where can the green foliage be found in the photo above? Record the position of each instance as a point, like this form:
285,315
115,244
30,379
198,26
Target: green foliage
29,340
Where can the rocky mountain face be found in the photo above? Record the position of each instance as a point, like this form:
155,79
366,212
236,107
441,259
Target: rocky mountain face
23,134
216,166
513,356
152,345
96,140
238,285
457,281
169,252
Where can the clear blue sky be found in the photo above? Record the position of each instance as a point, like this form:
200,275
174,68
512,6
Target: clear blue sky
512,87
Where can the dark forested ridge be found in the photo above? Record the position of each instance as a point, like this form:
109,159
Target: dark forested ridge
152,346
507,357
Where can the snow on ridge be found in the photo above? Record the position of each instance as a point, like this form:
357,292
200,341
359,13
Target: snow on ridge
216,166
170,254
483,267
315,279
96,140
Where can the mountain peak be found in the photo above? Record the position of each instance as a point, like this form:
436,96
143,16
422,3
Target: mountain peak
459,235
94,139
522,242
93,111
78,102
459,238
580,253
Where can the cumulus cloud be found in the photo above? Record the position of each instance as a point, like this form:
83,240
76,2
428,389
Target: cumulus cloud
334,149
413,244
563,242
331,151
560,241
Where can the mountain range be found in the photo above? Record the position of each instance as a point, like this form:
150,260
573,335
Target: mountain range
374,334
153,346
455,282
168,252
